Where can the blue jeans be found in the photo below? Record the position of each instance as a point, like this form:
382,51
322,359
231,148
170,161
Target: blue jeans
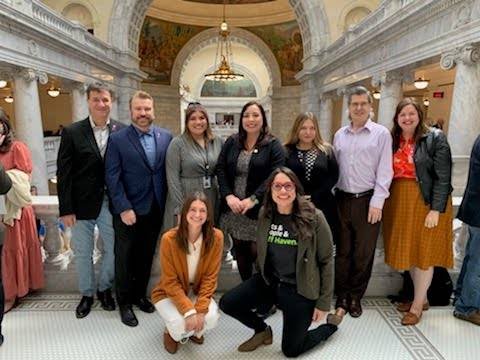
468,283
83,245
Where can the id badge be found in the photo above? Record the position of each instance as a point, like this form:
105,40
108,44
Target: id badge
207,182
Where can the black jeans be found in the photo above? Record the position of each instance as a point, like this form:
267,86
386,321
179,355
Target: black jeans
134,250
2,295
297,313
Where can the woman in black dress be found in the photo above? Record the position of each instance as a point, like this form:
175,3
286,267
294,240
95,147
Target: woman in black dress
313,161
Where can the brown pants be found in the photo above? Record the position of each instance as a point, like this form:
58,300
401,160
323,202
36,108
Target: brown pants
355,248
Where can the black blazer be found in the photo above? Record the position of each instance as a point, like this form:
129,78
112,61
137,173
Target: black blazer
469,211
433,168
323,178
267,156
81,171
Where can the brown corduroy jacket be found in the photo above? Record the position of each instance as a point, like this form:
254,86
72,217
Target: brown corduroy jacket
174,282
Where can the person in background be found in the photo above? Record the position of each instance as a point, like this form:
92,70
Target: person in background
5,185
22,268
190,164
295,261
313,161
467,292
190,257
417,224
246,161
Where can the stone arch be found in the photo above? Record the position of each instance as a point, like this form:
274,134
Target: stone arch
83,12
355,9
126,23
209,37
313,22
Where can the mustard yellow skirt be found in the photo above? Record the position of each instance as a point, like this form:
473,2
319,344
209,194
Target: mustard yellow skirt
407,241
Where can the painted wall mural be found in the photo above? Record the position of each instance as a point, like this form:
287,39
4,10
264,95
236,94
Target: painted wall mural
161,41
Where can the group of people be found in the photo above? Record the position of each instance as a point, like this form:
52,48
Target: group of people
284,207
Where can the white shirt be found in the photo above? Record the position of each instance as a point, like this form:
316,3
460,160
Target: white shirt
101,135
193,258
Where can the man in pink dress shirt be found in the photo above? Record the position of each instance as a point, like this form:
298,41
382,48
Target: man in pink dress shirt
364,154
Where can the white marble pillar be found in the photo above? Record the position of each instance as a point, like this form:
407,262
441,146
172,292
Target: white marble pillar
464,124
345,116
79,102
391,93
309,100
325,120
28,121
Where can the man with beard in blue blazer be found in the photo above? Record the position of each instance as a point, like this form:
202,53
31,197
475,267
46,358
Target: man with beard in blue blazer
136,182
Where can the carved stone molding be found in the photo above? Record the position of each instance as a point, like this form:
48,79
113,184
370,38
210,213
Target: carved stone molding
341,91
33,75
383,78
468,54
327,96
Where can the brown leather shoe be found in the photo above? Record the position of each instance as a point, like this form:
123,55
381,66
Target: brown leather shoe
411,319
262,338
197,340
170,345
355,308
405,306
474,317
342,303
334,319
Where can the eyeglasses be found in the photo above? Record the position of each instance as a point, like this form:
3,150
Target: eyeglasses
288,186
194,103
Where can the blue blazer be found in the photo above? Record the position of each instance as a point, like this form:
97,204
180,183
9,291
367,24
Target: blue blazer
131,182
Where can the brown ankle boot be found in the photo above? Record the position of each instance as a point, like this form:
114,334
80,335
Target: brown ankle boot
265,337
170,345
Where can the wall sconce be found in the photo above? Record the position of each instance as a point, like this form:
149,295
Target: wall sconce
376,95
426,102
421,83
8,99
53,91
3,83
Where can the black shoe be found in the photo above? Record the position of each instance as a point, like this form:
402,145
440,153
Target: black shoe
128,316
83,309
1,339
106,300
355,308
145,305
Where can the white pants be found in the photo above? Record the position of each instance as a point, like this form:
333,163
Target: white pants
175,322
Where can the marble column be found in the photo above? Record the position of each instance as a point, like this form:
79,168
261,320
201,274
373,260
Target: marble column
28,121
464,126
325,120
309,100
345,117
79,102
391,93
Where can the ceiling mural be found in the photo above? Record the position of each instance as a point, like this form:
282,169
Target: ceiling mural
231,2
161,41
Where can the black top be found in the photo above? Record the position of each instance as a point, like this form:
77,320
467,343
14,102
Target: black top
266,157
469,209
81,171
280,264
317,180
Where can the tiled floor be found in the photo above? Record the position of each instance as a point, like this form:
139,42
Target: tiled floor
44,327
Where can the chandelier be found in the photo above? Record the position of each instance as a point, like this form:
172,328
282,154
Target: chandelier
223,56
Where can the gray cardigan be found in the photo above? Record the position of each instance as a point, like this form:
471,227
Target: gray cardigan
315,267
5,185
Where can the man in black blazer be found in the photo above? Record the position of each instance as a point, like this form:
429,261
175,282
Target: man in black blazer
82,197
467,299
136,181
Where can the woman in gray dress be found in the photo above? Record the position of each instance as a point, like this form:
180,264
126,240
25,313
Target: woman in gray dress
190,164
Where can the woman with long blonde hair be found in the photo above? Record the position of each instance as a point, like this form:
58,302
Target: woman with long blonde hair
313,161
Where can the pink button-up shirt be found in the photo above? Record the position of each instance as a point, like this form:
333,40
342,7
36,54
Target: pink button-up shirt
364,158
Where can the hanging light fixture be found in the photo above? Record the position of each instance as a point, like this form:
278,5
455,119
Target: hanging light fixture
224,56
8,99
376,95
421,83
426,102
3,83
53,91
